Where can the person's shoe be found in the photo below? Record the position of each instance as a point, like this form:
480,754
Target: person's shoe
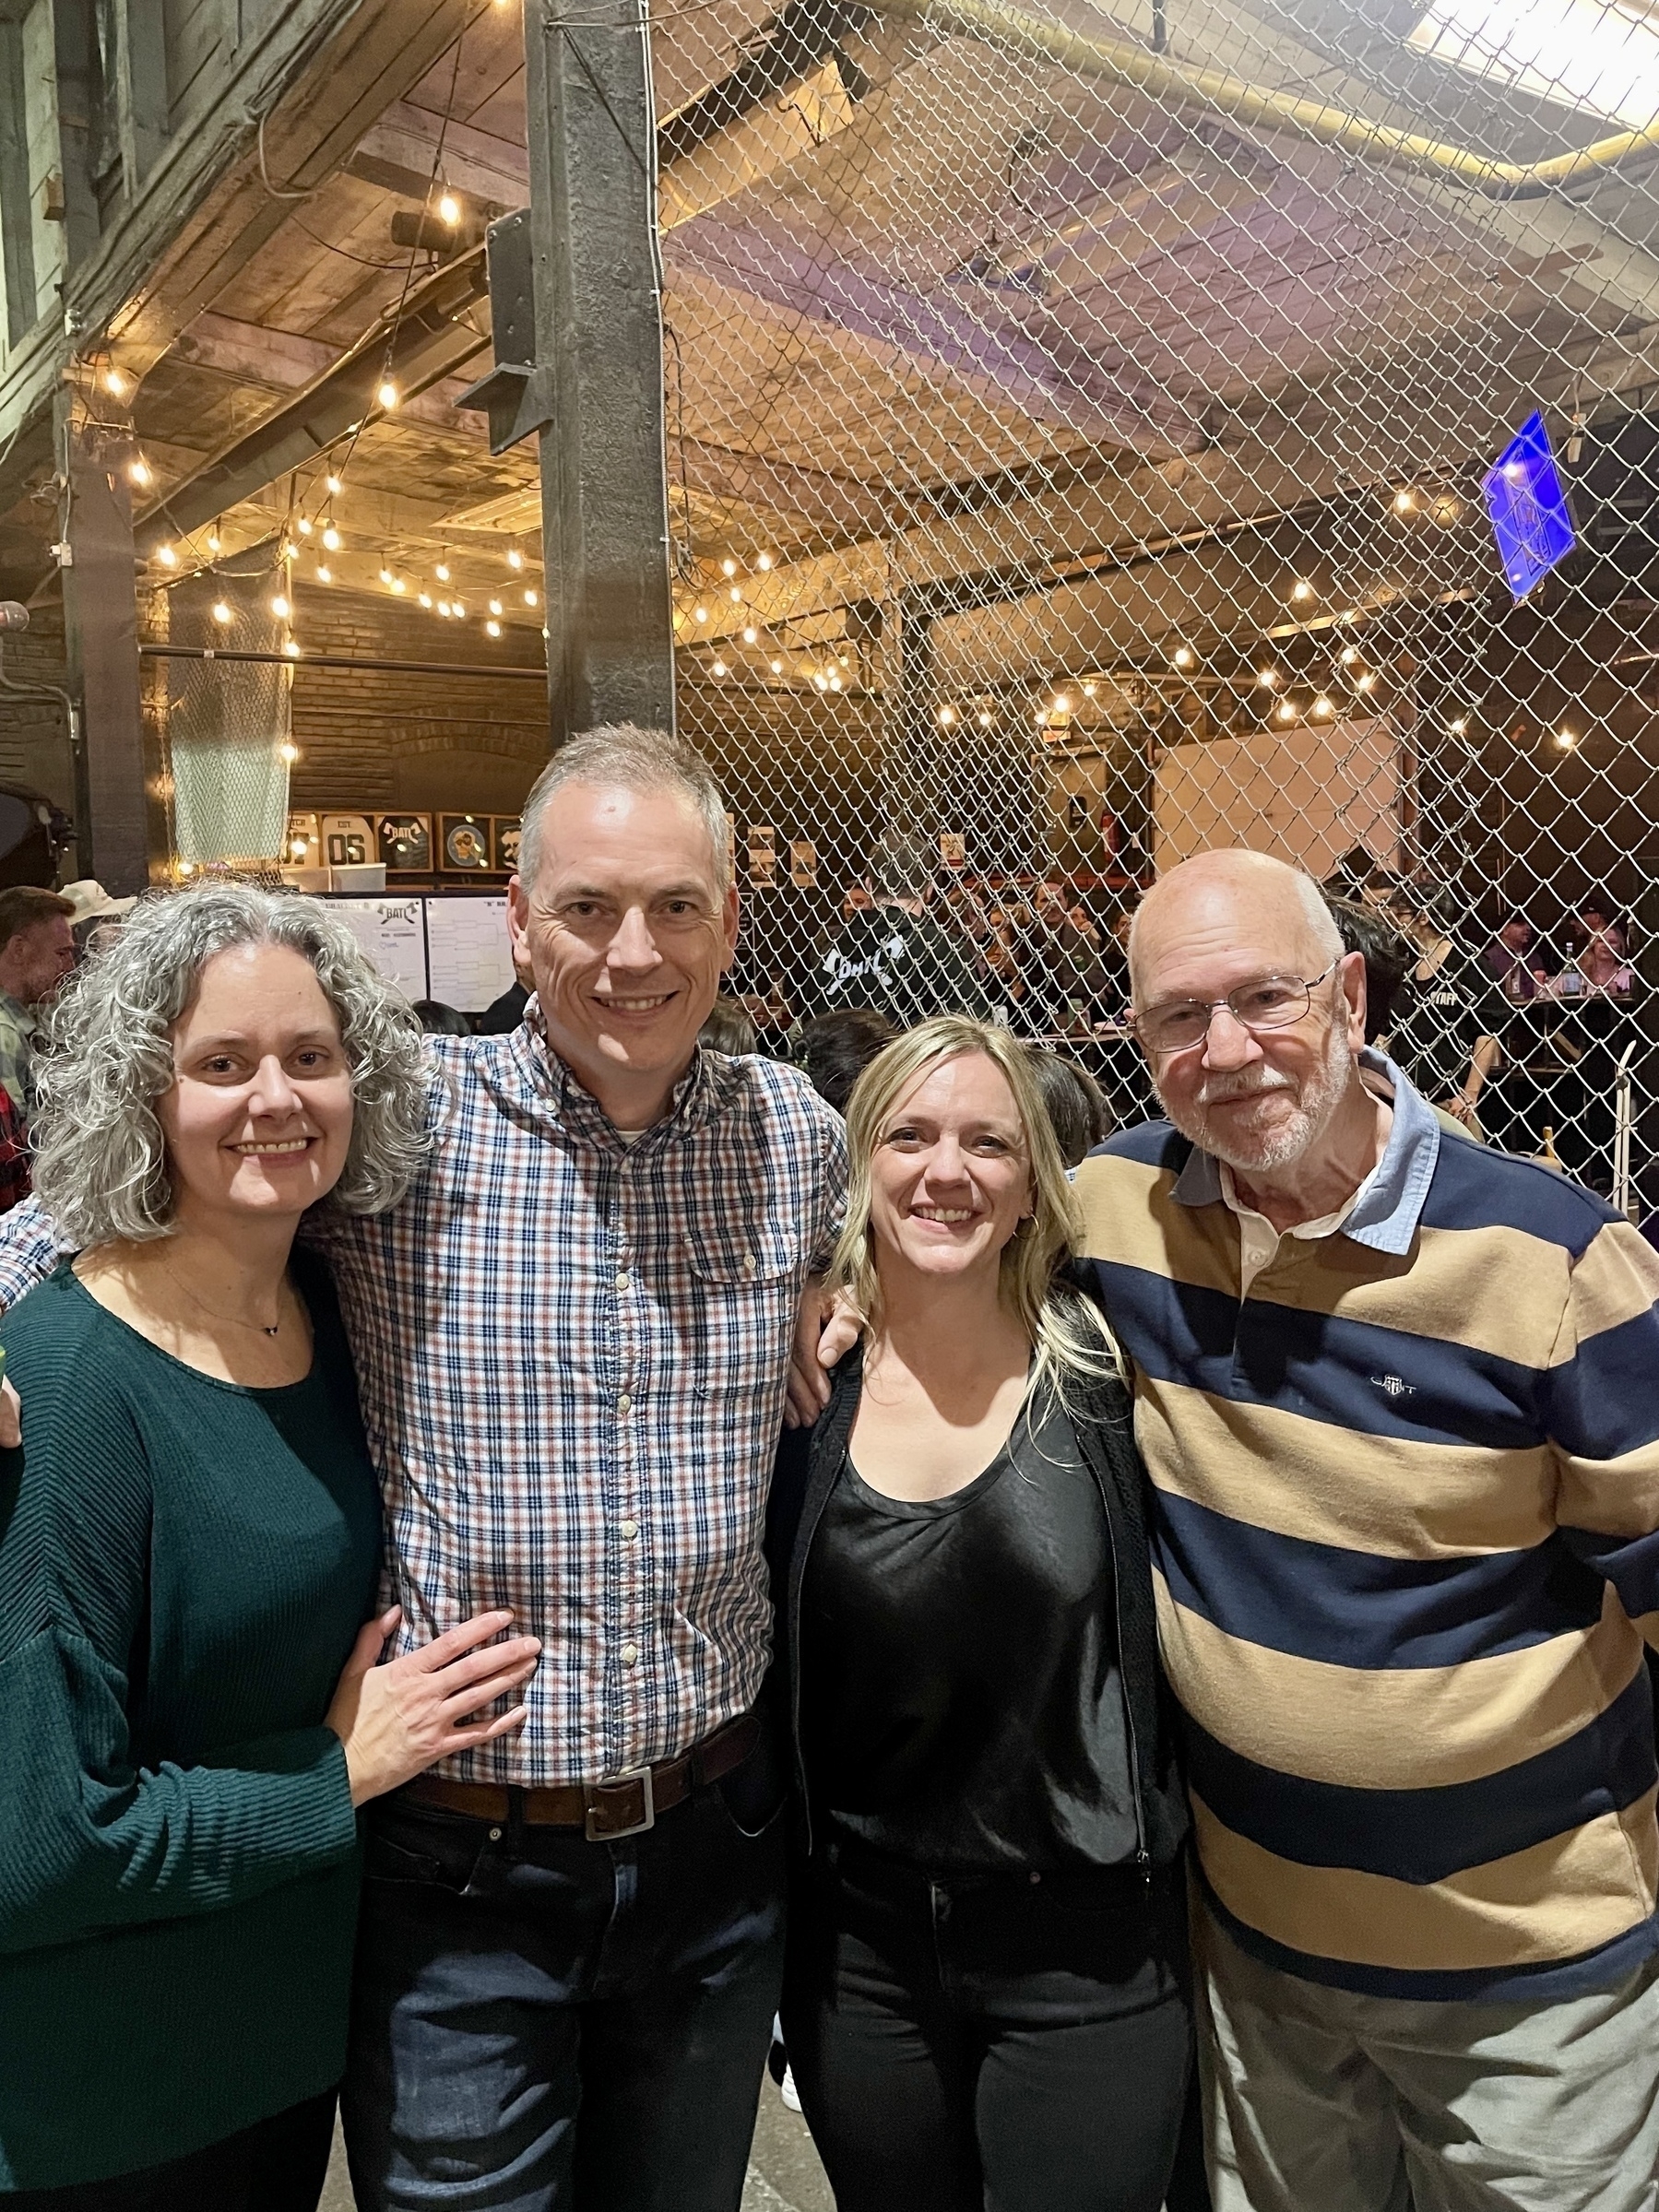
788,2092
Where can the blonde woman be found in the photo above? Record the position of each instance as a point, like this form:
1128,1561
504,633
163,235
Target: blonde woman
986,2002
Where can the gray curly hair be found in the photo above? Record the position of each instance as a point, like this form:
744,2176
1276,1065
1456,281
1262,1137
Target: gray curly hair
101,1161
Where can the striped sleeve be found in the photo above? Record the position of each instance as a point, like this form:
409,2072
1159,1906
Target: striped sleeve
1602,1418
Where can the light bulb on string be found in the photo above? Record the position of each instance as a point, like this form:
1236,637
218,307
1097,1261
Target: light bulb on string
515,558
736,596
762,562
387,396
1269,679
138,470
304,526
288,752
728,567
449,209
719,667
290,649
1324,706
215,542
280,608
221,613
750,633
1302,589
984,717
530,598
492,629
443,608
114,384
426,598
1365,681
1287,711
166,556
332,484
460,609
947,715
1348,655
496,607
325,574
441,572
777,667
1183,657
331,538
385,576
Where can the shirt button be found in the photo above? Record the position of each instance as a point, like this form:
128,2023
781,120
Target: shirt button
621,1278
630,1652
749,1264
625,1403
629,1531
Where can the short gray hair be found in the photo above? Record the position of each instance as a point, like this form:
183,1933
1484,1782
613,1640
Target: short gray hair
101,1159
638,760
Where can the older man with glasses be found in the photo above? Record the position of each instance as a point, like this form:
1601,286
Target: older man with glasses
1397,1397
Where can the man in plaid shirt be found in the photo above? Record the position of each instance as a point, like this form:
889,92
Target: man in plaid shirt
571,1337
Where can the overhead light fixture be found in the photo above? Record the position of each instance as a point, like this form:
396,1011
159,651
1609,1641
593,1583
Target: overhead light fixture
331,538
947,715
1302,589
325,574
515,558
763,561
719,667
166,556
138,470
728,567
530,598
304,526
333,484
441,572
222,611
1183,657
387,396
492,629
114,384
449,209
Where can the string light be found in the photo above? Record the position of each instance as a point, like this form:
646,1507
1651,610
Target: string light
1183,657
947,715
515,558
426,598
1322,705
762,562
1348,655
460,608
834,681
1460,726
292,650
737,596
1567,739
777,667
1365,681
492,629
280,608
138,470
750,633
719,667
985,716
304,526
385,576
699,614
443,607
495,607
325,574
728,567
1063,703
449,209
1269,679
114,384
1287,711
214,541
1405,503
398,586
529,598
441,572
332,484
222,611
288,752
166,556
387,396
331,539
820,679
1302,589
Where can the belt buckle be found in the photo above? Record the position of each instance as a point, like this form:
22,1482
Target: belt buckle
641,1776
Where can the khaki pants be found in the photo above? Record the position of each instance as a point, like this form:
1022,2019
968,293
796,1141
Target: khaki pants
1317,2100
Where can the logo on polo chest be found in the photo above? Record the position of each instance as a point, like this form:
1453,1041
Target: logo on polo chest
1394,1386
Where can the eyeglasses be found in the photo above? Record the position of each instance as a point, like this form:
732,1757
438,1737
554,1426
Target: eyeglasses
1265,1002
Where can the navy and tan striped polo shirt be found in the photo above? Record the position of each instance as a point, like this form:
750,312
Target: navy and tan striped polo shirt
1406,1497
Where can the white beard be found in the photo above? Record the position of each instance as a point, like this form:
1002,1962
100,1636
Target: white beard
1289,1137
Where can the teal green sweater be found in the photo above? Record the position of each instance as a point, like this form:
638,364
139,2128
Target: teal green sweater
184,1565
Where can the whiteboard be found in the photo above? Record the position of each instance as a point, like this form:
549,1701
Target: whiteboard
467,962
1307,795
390,932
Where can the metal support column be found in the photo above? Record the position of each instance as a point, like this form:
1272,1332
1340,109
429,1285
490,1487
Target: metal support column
121,823
599,342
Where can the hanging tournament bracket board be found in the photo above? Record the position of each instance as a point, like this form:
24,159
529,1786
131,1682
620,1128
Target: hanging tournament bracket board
391,934
468,960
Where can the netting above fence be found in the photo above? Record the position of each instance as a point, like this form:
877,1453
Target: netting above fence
1078,430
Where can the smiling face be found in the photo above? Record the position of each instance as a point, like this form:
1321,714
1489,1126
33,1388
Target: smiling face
258,1120
949,1178
624,935
1257,1099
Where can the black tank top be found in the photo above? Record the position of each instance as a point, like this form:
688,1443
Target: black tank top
961,1702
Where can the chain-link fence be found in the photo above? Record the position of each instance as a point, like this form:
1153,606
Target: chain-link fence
1085,435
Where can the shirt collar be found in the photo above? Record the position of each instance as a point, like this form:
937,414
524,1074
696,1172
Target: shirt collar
1388,1207
545,1084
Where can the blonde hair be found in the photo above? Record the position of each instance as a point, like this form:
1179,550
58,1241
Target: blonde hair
1068,1334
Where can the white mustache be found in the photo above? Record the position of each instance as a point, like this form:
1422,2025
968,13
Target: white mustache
1215,1090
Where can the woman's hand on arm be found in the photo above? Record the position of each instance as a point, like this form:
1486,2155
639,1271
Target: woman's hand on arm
396,1721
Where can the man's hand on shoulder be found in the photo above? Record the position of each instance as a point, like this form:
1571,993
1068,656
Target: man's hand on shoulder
826,1328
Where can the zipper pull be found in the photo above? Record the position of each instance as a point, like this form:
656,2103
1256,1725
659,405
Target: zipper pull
1143,1861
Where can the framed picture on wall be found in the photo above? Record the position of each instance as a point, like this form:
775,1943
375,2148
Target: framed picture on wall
503,843
348,841
406,843
463,843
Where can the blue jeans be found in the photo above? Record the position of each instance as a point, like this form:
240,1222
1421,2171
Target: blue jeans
540,2022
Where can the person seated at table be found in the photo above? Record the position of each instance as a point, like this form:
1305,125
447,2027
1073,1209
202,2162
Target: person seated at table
190,1708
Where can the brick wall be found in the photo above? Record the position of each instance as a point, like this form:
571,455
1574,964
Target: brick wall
388,739
34,738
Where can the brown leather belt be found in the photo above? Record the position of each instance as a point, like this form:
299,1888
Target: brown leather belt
626,1805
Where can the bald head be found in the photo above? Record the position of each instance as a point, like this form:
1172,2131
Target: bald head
1233,897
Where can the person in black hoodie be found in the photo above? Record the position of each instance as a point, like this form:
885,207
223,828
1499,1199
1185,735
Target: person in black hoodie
986,2002
896,957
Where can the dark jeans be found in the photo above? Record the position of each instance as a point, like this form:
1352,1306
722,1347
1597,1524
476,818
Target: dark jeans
278,2165
540,2022
1004,2046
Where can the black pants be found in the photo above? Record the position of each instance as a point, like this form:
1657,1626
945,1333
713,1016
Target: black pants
278,2165
540,2022
1005,2046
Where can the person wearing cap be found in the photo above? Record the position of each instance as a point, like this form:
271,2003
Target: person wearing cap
94,910
37,951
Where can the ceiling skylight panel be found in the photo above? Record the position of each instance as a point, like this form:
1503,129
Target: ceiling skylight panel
1581,53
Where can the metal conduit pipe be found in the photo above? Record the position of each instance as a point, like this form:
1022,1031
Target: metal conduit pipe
997,23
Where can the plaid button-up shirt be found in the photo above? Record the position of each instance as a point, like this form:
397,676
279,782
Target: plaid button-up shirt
572,1355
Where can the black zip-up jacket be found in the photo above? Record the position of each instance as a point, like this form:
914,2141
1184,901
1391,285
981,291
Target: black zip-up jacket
809,1462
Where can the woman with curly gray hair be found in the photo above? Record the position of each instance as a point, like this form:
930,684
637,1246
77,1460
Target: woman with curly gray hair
190,1708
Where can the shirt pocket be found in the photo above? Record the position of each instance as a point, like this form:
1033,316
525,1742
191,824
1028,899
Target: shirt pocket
743,1283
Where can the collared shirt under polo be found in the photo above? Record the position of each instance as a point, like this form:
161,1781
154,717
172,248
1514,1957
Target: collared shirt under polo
1405,1534
572,1353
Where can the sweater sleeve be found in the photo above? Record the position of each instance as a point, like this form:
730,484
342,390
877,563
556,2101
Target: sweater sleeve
89,1839
1603,1418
